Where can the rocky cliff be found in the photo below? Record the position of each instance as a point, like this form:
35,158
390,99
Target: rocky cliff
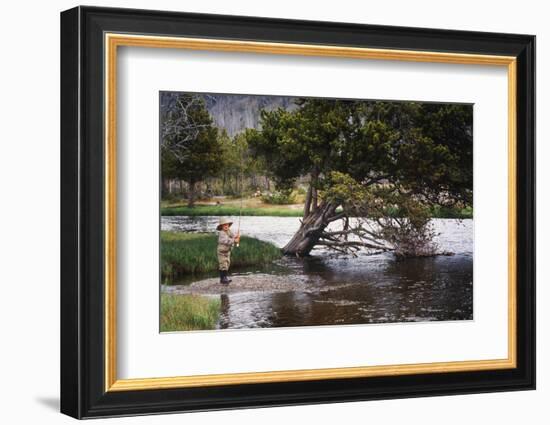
234,113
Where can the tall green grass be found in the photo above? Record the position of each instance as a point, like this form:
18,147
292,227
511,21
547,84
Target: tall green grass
191,253
217,210
188,312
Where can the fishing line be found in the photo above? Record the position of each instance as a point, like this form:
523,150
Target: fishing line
241,206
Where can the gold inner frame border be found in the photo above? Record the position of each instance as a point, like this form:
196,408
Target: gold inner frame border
114,40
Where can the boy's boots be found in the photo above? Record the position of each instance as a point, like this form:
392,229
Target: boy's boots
223,277
227,280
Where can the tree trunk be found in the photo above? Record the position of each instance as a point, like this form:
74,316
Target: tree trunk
165,187
192,190
314,199
307,205
310,231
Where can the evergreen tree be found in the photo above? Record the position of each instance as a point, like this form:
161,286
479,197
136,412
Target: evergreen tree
386,163
190,148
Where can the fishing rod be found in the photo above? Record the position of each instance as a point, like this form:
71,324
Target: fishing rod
241,205
239,223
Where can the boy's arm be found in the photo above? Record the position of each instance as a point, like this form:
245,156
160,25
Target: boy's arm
235,238
226,240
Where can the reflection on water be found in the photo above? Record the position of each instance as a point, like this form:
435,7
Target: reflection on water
367,289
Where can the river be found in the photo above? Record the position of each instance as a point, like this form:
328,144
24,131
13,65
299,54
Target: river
367,289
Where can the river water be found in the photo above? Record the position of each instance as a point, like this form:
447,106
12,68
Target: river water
367,289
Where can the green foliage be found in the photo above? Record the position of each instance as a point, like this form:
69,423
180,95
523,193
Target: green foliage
235,154
301,190
457,212
188,313
280,197
425,148
342,189
192,253
238,164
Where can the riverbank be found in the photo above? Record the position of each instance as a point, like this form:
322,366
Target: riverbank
231,210
192,253
255,208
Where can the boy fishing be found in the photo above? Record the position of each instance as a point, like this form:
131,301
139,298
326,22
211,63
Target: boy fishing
226,242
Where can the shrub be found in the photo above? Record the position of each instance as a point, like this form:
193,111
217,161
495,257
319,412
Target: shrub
281,197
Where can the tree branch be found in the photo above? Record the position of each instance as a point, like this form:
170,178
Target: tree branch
336,217
354,244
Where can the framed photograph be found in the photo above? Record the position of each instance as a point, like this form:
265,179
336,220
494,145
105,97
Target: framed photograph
261,212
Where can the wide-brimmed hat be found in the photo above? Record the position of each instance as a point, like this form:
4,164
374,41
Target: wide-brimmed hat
224,220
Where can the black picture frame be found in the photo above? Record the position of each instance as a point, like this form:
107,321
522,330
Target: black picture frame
83,392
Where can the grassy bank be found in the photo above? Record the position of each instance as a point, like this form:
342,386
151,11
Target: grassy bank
191,253
256,209
188,313
200,210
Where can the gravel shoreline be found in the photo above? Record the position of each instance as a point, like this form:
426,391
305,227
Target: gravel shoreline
254,283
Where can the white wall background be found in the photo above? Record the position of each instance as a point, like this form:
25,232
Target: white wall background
29,223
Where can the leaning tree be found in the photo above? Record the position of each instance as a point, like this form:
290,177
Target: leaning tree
190,148
377,167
